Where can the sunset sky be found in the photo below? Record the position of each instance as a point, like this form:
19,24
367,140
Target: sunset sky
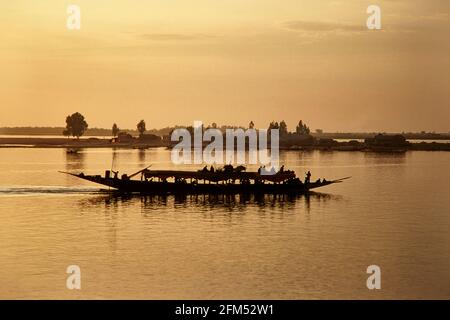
175,61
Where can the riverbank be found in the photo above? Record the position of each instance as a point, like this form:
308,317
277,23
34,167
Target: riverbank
48,142
30,142
362,146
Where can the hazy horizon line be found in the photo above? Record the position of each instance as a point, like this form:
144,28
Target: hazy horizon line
313,131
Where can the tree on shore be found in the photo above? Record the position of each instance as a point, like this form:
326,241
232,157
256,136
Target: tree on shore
251,125
75,125
302,128
115,130
141,127
66,133
274,125
283,128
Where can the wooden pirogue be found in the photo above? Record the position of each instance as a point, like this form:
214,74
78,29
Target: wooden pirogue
222,181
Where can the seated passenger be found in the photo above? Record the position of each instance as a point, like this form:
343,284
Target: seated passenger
228,168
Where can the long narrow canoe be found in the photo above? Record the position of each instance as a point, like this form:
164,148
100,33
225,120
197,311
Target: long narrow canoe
232,183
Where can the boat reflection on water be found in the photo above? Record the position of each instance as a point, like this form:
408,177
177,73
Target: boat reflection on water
208,202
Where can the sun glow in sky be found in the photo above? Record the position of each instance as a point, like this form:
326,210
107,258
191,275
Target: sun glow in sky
176,61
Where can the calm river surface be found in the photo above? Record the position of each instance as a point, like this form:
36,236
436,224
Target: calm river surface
394,212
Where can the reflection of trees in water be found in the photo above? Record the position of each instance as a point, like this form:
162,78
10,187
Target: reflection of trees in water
75,159
385,157
113,158
141,155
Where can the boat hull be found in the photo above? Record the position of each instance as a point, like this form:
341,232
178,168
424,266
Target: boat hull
153,187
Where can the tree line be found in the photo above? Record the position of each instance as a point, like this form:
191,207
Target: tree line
76,126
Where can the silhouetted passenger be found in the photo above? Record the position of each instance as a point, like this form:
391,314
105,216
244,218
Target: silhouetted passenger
228,168
308,177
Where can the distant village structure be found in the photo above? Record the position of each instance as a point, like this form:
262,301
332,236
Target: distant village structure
381,141
125,137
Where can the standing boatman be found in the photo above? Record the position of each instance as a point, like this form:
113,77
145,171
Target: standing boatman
308,177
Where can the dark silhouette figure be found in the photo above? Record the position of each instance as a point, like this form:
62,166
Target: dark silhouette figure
228,168
308,177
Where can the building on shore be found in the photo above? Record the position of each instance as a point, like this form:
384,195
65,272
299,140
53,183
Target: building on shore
388,142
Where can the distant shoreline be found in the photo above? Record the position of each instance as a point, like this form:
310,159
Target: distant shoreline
30,142
65,143
102,133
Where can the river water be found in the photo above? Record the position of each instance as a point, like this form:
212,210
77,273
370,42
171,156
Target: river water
394,213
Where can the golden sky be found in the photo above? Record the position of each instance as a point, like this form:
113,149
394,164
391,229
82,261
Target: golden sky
175,61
